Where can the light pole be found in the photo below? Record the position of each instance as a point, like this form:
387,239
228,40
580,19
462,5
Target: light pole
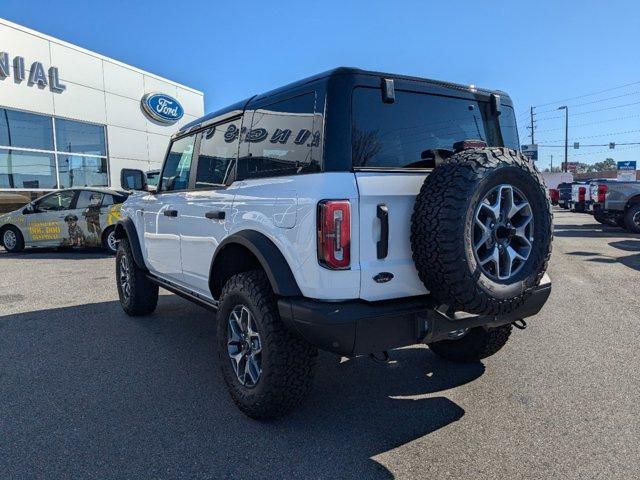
566,136
551,163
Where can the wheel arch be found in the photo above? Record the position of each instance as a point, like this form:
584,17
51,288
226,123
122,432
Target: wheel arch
6,226
106,231
633,201
248,250
125,228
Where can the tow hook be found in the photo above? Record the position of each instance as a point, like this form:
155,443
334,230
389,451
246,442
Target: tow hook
520,324
384,358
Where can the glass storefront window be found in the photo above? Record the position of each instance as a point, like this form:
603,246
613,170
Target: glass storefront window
21,169
25,130
81,171
79,137
28,152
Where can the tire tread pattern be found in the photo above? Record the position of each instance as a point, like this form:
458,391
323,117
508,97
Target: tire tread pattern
437,230
478,344
144,293
289,367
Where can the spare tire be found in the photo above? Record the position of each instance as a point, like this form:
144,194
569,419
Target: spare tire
481,231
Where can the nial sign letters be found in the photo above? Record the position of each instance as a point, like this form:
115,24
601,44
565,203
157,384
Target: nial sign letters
37,75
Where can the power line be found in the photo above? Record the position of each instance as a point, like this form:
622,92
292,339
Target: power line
591,145
594,101
594,136
589,123
590,111
605,150
588,94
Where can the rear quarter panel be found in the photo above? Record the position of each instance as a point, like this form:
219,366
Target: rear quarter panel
266,206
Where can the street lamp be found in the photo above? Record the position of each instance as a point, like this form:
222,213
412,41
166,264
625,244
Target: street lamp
566,136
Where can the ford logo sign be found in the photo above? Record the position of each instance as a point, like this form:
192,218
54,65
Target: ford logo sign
162,108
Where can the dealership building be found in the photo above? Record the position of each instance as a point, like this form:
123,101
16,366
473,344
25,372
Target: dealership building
70,117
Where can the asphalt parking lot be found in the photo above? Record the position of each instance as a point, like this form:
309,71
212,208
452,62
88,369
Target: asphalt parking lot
87,392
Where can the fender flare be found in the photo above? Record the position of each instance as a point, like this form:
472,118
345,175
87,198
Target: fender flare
125,228
270,258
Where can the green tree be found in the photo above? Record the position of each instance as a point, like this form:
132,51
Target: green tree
605,166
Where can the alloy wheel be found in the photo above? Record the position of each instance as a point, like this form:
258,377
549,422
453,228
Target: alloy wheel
112,242
503,232
244,346
125,277
9,240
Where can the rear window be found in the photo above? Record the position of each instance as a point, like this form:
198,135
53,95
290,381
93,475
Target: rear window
417,129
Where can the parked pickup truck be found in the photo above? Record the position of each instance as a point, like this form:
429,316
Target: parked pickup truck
617,203
564,197
580,197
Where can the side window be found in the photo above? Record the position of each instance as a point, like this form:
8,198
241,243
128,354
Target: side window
108,200
281,139
88,199
218,153
175,174
56,201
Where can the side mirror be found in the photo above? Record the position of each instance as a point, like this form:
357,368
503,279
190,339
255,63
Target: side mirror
29,208
131,179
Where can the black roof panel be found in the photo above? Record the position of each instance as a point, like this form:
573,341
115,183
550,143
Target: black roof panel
326,75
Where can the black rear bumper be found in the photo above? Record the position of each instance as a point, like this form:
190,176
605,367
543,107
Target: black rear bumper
358,327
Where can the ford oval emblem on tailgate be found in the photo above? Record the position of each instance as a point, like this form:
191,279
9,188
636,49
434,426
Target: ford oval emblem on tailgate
383,277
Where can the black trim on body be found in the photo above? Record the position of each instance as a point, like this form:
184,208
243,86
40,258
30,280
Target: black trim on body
358,327
126,228
270,258
186,294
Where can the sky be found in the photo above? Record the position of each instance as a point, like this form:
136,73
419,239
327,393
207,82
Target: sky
541,52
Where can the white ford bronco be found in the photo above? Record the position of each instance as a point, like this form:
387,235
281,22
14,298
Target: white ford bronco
353,212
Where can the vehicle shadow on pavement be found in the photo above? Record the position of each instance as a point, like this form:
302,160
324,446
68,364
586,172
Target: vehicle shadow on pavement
89,392
55,254
595,230
631,261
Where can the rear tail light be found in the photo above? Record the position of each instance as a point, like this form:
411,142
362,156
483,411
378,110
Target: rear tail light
602,193
582,193
334,234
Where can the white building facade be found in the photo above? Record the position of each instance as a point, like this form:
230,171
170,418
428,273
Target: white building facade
70,117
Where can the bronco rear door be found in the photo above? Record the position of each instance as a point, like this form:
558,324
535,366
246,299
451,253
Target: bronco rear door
395,144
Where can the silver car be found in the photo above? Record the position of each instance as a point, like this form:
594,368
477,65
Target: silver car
76,217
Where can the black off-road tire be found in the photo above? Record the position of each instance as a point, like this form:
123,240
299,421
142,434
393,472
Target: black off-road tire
605,220
288,361
142,296
106,243
19,243
442,228
632,218
477,344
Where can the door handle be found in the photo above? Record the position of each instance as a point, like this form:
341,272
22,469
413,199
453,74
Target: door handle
216,215
170,213
382,212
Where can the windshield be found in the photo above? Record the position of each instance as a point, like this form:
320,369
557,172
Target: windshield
419,128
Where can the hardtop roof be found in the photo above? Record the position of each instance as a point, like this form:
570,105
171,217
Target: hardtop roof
241,105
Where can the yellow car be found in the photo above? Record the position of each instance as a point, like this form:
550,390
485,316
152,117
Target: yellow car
76,217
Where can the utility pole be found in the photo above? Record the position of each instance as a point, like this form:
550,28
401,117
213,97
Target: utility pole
551,168
532,127
566,137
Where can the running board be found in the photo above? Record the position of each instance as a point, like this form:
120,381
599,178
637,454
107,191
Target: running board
191,296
